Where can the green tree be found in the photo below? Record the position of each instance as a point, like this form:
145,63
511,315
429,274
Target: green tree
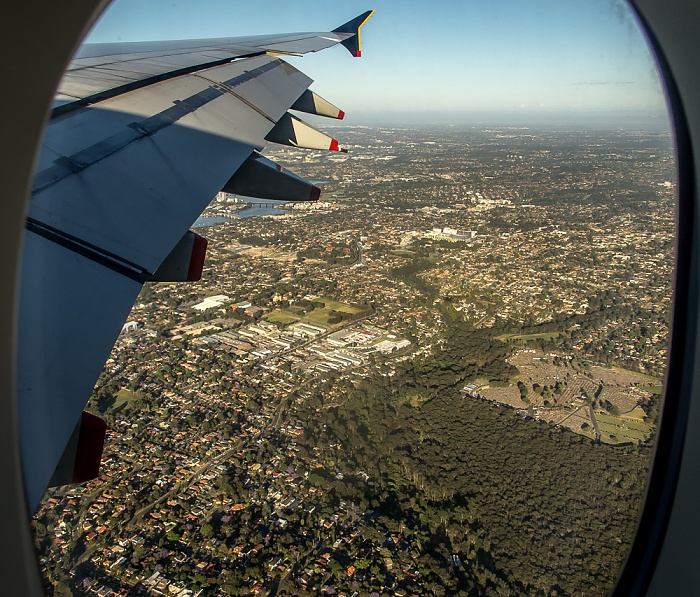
207,531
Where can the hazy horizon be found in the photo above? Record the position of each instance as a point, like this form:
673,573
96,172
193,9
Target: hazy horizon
559,61
612,120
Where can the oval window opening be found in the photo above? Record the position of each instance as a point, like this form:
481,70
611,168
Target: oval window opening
442,377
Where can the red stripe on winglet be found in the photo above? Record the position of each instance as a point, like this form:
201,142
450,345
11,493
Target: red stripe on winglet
341,114
334,145
91,441
357,54
199,252
315,194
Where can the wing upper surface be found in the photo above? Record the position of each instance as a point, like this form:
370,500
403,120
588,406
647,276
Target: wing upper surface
180,140
140,143
96,72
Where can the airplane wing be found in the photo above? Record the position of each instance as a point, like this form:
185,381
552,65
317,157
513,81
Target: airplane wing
141,137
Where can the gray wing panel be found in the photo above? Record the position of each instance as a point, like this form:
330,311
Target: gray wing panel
102,68
117,185
146,135
131,174
71,311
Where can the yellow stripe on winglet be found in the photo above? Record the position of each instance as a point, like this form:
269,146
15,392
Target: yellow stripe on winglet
359,40
353,26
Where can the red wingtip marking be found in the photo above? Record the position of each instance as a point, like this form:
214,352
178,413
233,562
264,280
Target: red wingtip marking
341,114
334,145
199,252
357,54
315,194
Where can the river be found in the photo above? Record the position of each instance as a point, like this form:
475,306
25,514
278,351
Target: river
269,208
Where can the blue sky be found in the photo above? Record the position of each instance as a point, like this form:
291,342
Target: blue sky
438,60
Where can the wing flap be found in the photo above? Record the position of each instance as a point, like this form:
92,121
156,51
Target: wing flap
311,103
263,179
294,132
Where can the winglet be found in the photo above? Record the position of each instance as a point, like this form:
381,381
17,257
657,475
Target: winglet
353,43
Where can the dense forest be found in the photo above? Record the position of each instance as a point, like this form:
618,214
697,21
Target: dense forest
526,507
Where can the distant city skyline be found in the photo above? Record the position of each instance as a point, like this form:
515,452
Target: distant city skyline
536,62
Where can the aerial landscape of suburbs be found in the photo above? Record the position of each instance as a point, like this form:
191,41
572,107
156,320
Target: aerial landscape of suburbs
442,378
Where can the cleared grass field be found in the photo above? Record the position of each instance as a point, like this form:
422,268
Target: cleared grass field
123,396
624,429
321,315
281,317
332,305
318,316
636,413
415,399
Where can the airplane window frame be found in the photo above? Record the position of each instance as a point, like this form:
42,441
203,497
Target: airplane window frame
636,574
60,29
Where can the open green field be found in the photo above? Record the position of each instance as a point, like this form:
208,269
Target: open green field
625,429
415,399
636,413
281,317
123,396
543,335
318,316
284,317
321,315
332,305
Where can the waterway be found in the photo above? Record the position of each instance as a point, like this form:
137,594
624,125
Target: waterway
269,208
